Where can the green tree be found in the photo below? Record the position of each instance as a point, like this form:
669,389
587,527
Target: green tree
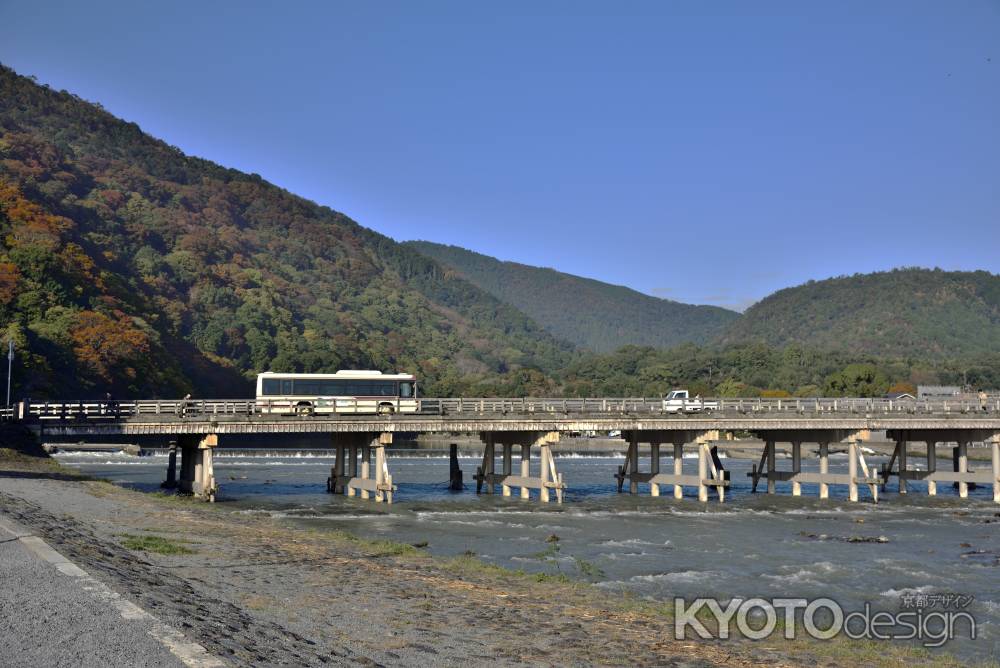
857,380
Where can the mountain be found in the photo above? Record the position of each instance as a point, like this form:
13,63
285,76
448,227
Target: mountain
589,313
127,266
915,313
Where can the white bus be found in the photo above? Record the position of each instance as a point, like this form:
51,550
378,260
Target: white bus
341,392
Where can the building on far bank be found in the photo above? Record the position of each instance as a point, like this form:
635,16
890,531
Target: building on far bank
897,396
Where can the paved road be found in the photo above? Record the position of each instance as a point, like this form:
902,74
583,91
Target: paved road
54,614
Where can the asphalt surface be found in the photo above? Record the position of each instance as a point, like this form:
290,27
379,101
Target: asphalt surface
49,618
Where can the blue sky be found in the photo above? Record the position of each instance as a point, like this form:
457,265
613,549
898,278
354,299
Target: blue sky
709,152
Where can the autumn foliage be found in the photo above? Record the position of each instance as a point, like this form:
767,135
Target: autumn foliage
107,346
126,265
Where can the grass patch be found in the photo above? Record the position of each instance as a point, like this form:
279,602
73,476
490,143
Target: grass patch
156,544
388,548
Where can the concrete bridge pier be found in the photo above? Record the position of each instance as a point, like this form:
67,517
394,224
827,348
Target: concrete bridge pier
171,481
197,467
654,467
963,467
548,479
678,467
931,466
350,478
824,469
995,447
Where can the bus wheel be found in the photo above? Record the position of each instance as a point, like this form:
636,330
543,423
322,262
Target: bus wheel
304,409
385,409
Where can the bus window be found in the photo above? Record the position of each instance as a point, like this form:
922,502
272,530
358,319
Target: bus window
286,387
271,387
332,388
406,390
307,388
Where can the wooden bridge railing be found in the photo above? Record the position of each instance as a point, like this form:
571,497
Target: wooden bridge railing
206,408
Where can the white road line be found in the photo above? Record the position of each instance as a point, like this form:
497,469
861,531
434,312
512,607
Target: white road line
190,654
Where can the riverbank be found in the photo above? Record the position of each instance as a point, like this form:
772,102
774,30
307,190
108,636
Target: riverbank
255,591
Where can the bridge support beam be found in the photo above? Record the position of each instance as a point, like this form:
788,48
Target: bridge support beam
796,467
995,448
771,467
710,472
548,479
654,467
824,469
959,476
901,444
931,467
345,477
963,467
767,468
197,467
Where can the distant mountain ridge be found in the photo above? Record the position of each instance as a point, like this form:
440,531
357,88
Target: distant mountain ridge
591,314
911,313
908,312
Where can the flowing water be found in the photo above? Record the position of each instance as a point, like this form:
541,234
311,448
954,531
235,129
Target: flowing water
754,545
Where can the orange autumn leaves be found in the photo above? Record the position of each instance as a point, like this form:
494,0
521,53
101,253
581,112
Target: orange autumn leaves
105,344
30,227
108,346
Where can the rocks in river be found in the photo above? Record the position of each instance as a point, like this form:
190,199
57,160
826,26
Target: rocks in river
982,557
845,539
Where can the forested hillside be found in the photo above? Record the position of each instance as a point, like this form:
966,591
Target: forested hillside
127,266
917,313
589,313
751,370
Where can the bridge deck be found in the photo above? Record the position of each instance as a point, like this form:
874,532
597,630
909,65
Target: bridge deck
83,418
528,423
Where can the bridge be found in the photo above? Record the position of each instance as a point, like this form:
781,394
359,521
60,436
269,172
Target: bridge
195,428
